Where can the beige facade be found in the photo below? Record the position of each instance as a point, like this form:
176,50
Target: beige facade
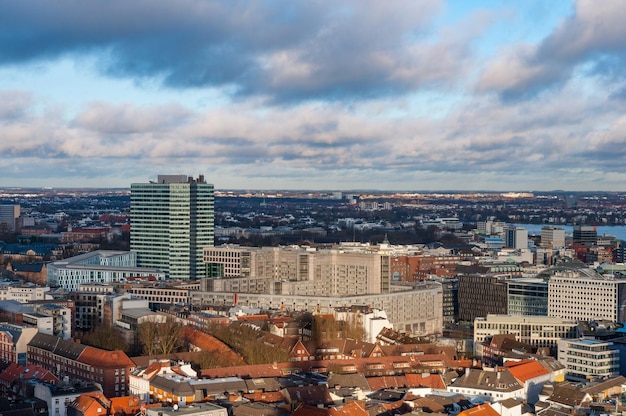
298,271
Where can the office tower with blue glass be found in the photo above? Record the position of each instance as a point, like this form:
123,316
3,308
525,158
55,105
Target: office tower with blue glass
171,222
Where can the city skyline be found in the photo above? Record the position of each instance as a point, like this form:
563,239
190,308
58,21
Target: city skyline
429,95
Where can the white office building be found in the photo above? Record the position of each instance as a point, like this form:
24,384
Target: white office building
584,295
588,359
538,331
101,266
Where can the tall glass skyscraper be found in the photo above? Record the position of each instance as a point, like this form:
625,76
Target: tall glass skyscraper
171,221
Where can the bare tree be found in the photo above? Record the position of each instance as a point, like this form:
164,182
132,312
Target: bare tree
159,337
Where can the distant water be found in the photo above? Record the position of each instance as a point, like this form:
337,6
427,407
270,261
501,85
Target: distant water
619,231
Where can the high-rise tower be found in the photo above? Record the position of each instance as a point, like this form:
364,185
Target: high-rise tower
171,222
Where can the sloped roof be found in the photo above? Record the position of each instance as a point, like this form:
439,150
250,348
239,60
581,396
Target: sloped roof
265,397
526,370
386,382
596,388
105,359
208,342
348,409
501,380
220,385
262,383
28,267
57,346
174,386
480,410
429,405
83,402
434,381
312,395
568,395
348,380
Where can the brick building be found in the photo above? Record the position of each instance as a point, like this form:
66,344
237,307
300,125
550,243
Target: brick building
65,358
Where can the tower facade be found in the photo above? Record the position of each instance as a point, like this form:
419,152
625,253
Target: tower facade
171,223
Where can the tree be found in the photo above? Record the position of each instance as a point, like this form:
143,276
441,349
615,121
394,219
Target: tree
159,336
105,337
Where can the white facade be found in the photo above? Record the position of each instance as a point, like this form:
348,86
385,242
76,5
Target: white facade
58,397
416,310
101,266
584,295
588,359
23,293
299,271
539,331
552,236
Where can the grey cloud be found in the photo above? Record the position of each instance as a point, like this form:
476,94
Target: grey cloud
286,51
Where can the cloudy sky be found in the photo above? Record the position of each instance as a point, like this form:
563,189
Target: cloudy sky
354,94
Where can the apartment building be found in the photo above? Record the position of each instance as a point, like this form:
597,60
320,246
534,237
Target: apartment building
65,358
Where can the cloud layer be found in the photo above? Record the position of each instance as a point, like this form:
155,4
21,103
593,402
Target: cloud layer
340,95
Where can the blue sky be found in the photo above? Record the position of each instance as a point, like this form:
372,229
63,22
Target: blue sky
398,95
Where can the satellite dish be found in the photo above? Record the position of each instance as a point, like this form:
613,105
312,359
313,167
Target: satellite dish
175,407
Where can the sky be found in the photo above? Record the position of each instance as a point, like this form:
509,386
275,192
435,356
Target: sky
327,95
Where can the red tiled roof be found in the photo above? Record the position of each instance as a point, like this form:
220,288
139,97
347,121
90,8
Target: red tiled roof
480,410
265,397
386,382
526,370
208,342
104,359
434,381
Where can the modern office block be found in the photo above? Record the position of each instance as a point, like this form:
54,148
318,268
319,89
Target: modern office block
585,295
588,359
8,217
528,296
171,224
552,236
538,331
584,235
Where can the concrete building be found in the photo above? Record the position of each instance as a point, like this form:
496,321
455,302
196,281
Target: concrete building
585,295
538,331
100,266
8,217
552,236
297,271
171,223
588,359
516,237
584,235
480,295
21,292
416,309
